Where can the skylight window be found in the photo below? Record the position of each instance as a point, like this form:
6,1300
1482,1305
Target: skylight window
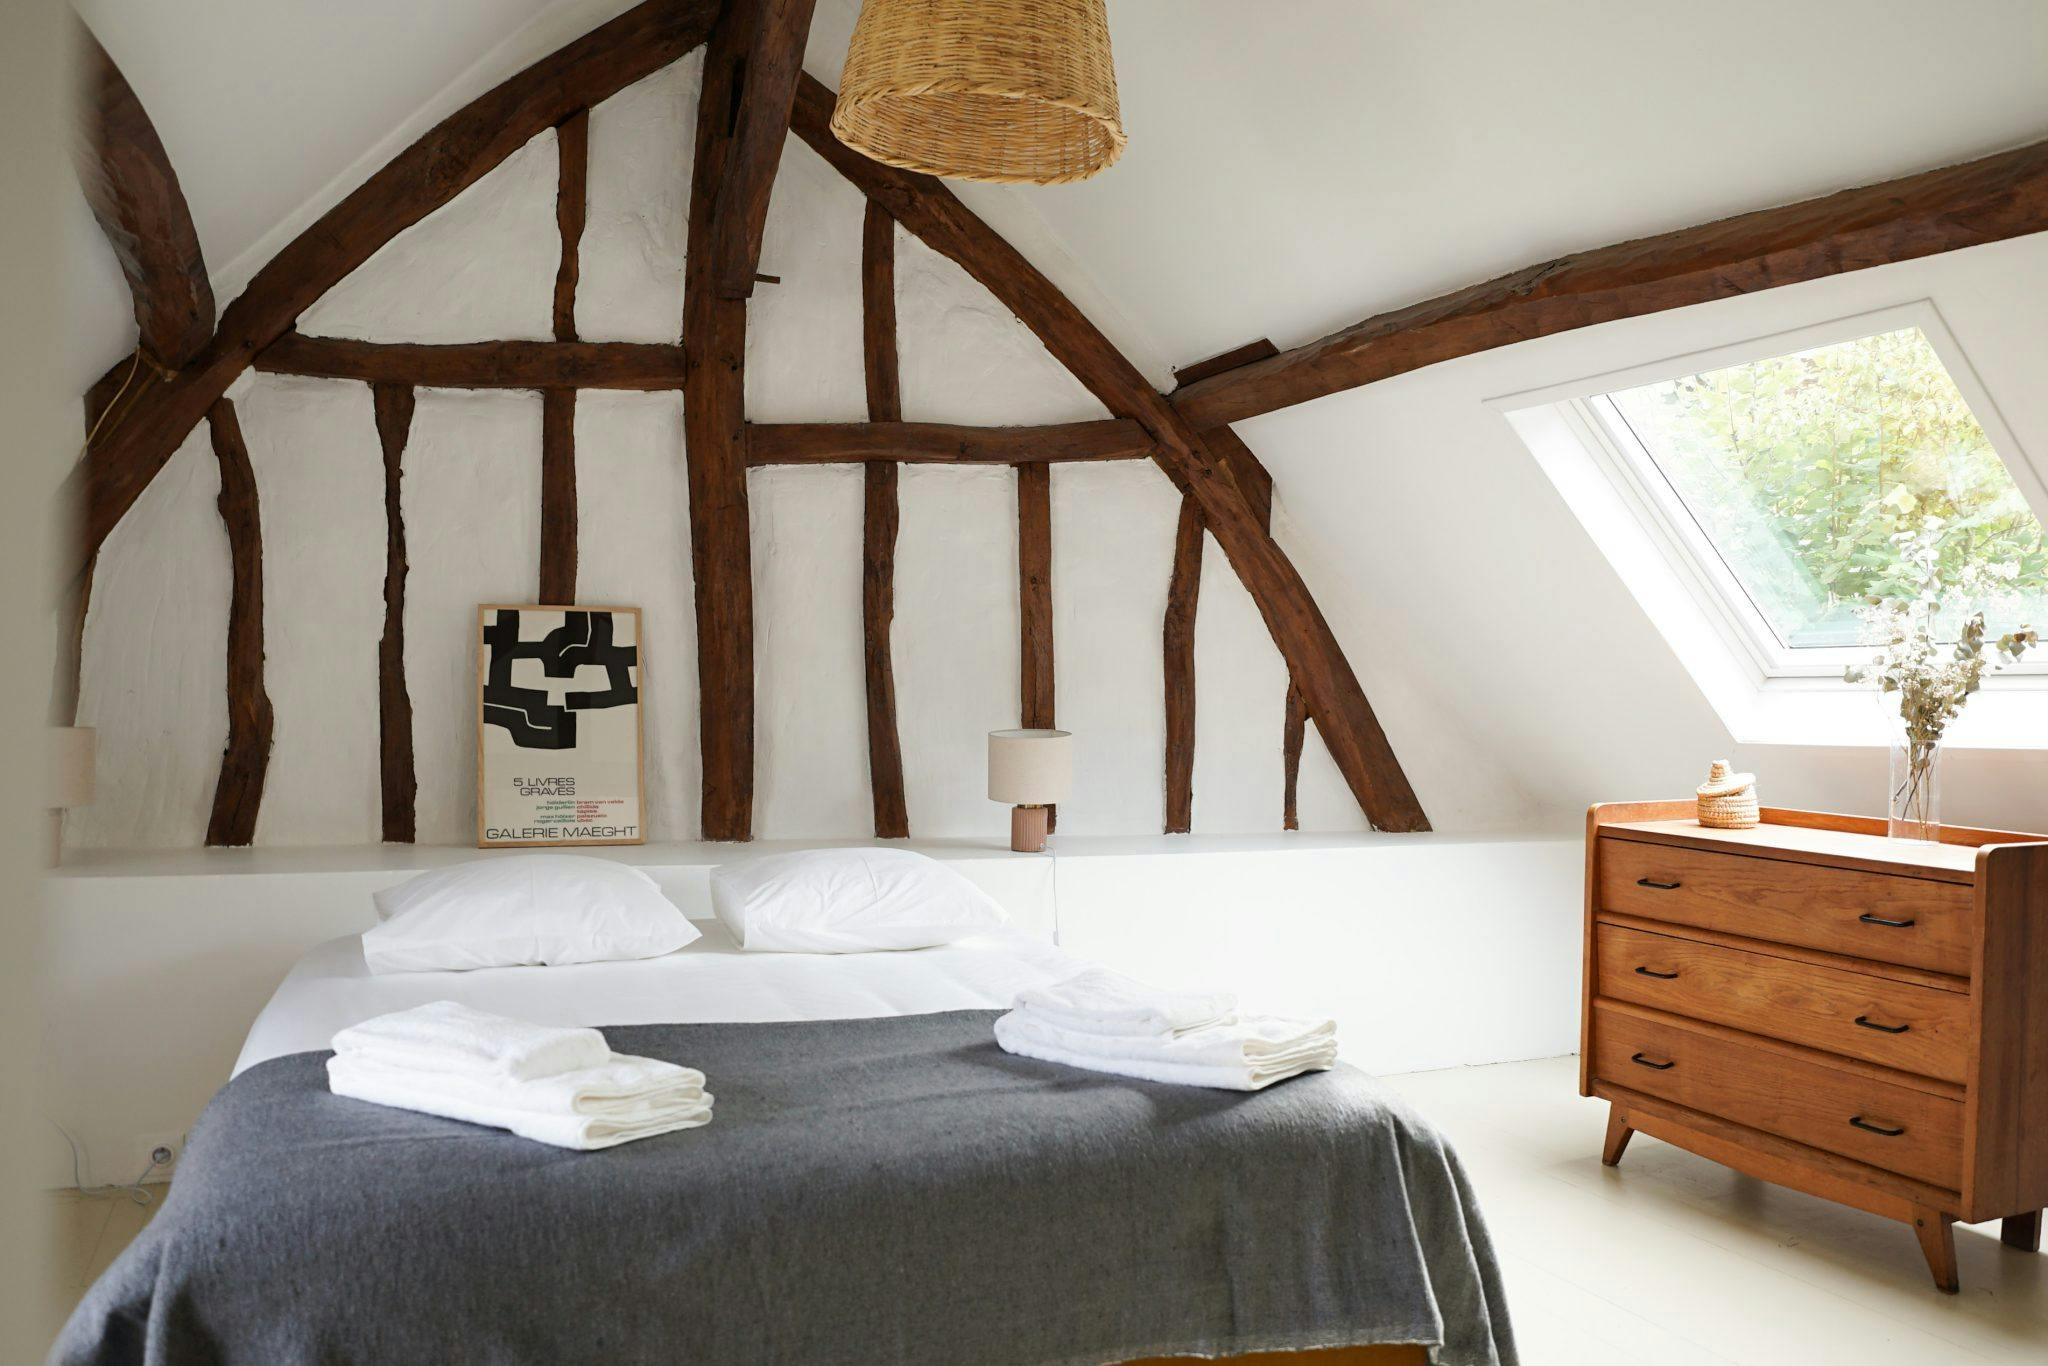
1818,480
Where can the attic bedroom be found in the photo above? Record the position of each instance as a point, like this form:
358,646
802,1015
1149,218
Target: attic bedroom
1026,682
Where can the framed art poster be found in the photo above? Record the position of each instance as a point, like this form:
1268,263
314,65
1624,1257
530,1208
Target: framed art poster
558,726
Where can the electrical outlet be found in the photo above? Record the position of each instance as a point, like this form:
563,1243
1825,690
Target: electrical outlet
145,1151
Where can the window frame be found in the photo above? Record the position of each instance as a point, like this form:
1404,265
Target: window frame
1713,629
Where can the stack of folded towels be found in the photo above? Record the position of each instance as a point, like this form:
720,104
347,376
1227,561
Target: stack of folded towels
1107,1022
552,1085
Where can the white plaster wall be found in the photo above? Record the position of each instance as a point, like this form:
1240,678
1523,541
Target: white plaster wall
804,335
810,681
630,259
966,358
1240,706
472,536
956,650
154,676
633,549
1112,553
320,489
479,268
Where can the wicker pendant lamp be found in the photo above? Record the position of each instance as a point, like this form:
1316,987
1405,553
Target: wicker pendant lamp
1010,91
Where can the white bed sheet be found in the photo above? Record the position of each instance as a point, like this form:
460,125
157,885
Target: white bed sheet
705,982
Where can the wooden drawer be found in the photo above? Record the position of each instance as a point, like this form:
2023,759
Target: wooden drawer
1915,921
1769,1088
1904,1025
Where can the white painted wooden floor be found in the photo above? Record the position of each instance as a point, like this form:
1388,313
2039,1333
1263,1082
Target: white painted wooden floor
1667,1260
1670,1260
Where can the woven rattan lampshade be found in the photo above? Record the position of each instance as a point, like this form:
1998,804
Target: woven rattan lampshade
1011,91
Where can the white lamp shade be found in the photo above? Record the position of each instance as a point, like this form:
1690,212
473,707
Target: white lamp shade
1030,767
68,766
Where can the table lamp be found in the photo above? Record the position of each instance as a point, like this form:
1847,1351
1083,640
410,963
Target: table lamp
1030,770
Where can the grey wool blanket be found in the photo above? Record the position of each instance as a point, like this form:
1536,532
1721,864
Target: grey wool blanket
892,1190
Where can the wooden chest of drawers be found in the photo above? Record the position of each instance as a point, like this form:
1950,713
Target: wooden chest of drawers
1860,1018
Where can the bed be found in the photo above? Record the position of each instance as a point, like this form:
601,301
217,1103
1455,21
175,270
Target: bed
881,1183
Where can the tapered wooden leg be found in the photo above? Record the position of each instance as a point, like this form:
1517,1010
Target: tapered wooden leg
1937,1234
2022,1231
1618,1134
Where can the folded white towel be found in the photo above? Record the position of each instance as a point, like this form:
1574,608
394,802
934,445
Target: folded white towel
1099,1001
1264,1041
1243,1076
563,1129
625,1088
447,1037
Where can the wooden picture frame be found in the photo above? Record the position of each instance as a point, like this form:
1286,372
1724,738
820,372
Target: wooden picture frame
585,794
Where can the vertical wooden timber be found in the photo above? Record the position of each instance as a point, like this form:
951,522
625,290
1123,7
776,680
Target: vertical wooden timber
714,433
1034,600
1183,592
1290,757
572,142
558,496
238,794
558,406
769,66
397,784
878,544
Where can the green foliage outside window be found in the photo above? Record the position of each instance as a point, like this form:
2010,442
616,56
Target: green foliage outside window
1825,478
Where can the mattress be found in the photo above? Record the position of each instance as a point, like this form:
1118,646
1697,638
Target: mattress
708,981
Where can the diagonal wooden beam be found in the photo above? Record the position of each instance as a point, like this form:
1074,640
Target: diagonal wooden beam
479,365
452,156
715,455
943,443
1980,201
880,521
134,193
1316,661
774,57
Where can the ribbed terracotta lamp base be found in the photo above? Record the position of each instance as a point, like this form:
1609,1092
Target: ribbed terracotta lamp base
1028,825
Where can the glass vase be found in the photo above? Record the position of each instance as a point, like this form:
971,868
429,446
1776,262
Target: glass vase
1914,811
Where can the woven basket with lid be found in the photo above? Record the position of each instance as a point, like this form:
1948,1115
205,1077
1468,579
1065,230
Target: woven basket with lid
1727,800
1009,91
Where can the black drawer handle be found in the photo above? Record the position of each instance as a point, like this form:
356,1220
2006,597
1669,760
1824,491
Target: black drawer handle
1869,919
1660,886
1879,1129
1660,976
1641,1061
1865,1021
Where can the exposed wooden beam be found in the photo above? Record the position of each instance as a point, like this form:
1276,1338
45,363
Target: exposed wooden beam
1223,362
1036,689
760,126
558,497
1980,201
715,440
558,406
880,519
928,209
572,201
447,160
397,786
238,792
1183,594
1292,734
134,193
829,443
479,365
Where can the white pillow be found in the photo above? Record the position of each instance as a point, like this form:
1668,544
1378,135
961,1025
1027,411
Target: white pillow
849,901
523,909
